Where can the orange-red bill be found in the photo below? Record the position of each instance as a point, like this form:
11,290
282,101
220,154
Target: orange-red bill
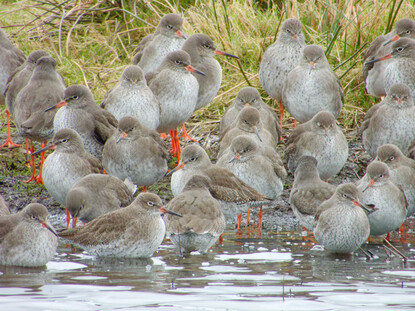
166,211
217,52
177,168
379,59
192,69
61,104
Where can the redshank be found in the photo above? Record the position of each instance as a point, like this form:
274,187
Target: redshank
341,223
27,238
373,73
202,51
80,113
249,96
96,194
280,58
312,87
261,168
135,231
67,164
402,172
11,59
202,220
177,91
45,88
234,195
136,153
321,138
401,68
308,191
378,189
4,208
167,38
132,97
390,121
247,123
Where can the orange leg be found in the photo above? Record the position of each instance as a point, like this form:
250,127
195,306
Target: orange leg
238,227
145,189
295,123
388,237
34,177
163,135
9,143
260,219
185,135
177,144
39,179
248,217
220,239
68,218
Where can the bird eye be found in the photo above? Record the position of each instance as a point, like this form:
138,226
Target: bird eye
253,100
64,140
246,121
287,30
381,176
179,62
391,158
150,203
192,159
400,49
75,97
33,217
344,195
408,32
169,27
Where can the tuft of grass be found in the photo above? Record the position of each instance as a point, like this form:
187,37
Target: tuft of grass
93,41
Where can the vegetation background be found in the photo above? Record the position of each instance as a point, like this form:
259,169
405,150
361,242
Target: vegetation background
93,41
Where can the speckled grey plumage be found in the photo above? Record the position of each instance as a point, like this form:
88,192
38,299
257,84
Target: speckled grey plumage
281,57
321,138
135,231
312,87
44,89
247,123
132,97
390,121
96,194
379,190
202,222
308,191
261,168
341,226
176,90
21,77
402,172
93,123
373,74
140,156
67,164
249,96
10,59
154,48
24,239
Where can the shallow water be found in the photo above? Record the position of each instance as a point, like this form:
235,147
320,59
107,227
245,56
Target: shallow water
271,271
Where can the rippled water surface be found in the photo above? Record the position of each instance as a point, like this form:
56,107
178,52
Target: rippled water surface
271,271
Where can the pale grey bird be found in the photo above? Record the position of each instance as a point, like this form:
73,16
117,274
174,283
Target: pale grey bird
135,231
390,121
379,190
78,111
202,220
341,223
321,138
167,38
27,238
312,87
280,58
136,153
132,97
373,73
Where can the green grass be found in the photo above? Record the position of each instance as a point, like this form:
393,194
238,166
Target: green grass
93,41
